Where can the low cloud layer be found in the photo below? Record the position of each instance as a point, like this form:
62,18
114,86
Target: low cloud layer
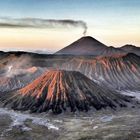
41,23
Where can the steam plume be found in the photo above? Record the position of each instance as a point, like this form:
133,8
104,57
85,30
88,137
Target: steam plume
15,67
41,23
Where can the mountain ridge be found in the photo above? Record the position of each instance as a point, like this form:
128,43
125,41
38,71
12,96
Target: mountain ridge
131,49
117,72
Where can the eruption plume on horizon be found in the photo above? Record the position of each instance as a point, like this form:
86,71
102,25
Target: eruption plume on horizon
41,23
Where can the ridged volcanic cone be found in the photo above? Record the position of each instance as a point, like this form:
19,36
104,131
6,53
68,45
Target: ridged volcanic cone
60,90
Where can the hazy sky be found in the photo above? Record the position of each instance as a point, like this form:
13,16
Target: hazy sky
113,22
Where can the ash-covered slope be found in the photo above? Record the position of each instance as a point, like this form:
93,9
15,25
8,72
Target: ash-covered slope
59,90
119,72
89,46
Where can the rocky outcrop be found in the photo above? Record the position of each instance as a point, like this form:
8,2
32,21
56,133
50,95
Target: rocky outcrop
60,91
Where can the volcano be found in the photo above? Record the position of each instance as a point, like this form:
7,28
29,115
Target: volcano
59,91
83,46
89,46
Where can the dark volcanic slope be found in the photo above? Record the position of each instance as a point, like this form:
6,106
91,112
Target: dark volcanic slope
121,73
62,90
83,46
89,46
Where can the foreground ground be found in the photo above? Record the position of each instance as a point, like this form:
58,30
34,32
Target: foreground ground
104,125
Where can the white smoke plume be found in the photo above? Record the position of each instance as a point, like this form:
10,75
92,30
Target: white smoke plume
17,66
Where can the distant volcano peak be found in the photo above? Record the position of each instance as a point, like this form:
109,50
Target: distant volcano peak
86,45
88,38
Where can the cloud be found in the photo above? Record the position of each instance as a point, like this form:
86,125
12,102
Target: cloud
41,23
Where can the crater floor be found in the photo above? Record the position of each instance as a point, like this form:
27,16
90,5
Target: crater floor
103,125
